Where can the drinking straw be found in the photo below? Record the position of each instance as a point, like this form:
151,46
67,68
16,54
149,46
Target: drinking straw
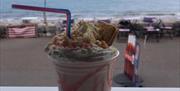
54,10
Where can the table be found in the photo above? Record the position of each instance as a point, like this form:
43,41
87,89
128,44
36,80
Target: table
168,30
113,89
123,32
150,30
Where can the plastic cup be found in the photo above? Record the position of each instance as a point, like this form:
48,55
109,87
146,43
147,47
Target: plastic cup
85,76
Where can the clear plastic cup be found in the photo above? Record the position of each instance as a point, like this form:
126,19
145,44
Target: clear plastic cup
85,76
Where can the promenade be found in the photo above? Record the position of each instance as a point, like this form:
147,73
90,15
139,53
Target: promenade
23,62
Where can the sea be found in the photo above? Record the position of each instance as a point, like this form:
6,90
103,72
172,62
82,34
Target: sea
91,8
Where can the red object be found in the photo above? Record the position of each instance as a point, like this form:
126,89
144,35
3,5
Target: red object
26,31
130,48
129,66
129,69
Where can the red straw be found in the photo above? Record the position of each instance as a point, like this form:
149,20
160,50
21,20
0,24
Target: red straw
54,10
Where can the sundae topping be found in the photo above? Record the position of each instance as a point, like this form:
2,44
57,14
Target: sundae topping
88,40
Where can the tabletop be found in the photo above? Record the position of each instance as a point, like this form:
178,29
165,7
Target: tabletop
124,30
113,89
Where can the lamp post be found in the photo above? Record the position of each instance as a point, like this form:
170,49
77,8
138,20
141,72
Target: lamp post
45,18
44,13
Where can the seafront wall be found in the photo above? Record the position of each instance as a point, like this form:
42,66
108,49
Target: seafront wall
54,23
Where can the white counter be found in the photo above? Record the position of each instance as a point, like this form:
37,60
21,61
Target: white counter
113,89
